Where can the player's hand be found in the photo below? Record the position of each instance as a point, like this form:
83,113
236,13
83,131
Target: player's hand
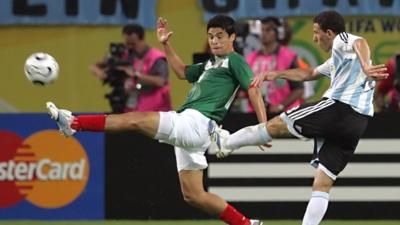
376,72
163,34
271,75
258,80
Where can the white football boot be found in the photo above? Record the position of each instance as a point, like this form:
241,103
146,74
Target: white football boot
256,222
218,137
63,118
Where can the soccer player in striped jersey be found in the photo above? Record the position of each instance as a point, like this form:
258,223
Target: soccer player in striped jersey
215,83
336,122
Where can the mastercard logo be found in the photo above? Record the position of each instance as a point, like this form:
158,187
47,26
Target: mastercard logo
46,169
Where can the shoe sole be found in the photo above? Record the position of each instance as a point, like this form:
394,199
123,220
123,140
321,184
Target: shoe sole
53,110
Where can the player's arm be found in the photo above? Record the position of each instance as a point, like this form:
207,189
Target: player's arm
375,72
258,103
296,91
298,74
163,35
244,75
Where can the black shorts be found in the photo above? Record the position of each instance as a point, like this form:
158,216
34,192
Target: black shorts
335,127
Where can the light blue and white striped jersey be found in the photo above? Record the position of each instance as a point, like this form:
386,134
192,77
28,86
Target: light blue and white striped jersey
349,84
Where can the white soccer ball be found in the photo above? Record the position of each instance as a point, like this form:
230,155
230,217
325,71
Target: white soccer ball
41,68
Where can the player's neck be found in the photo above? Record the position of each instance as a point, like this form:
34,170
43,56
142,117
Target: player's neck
223,55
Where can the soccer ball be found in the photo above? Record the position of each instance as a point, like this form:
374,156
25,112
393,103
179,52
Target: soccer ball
41,68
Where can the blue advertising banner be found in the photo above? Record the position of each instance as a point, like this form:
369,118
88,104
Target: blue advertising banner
44,175
82,12
261,8
117,12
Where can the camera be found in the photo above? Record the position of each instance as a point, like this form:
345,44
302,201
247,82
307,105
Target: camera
118,56
117,52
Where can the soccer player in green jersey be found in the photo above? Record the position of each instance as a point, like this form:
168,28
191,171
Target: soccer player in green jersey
215,83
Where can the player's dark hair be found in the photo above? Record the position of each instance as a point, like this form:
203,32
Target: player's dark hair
331,20
224,22
134,29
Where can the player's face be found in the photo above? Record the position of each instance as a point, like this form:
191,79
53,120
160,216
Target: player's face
268,33
220,42
323,39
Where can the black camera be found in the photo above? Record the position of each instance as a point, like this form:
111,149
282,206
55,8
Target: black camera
118,56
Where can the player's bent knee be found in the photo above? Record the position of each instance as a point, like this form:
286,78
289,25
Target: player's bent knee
272,129
277,128
139,120
322,185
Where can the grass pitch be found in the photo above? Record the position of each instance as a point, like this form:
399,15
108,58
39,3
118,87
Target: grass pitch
195,222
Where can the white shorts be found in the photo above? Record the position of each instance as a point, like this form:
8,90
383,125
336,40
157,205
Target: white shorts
188,132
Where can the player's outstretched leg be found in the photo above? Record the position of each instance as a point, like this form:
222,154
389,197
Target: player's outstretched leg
142,122
69,124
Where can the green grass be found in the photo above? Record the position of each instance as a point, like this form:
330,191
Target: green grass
195,222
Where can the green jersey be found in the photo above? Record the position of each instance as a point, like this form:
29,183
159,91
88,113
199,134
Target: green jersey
215,83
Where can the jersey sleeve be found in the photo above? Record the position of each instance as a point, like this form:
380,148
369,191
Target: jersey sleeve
193,72
352,39
345,42
241,71
325,68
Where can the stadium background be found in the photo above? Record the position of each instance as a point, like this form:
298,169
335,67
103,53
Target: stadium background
118,181
77,46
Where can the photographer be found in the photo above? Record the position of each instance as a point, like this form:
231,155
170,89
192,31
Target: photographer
137,73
